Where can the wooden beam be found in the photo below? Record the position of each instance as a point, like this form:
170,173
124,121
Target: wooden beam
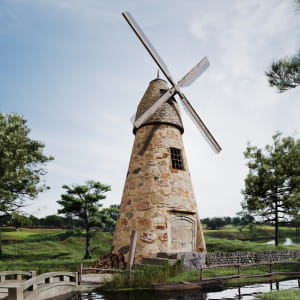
132,247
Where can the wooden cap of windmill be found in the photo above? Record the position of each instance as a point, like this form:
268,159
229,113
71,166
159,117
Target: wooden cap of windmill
168,113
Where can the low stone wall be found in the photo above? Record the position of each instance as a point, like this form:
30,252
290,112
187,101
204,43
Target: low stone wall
192,261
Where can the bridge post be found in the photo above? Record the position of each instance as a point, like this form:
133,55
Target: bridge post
33,273
77,280
15,293
2,278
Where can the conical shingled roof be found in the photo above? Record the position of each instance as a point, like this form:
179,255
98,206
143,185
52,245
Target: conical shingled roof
168,113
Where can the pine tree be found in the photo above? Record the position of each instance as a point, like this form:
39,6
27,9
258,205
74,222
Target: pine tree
272,186
284,73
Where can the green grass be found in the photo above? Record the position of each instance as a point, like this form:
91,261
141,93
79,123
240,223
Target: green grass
226,245
259,232
291,294
142,278
27,235
194,275
64,253
54,250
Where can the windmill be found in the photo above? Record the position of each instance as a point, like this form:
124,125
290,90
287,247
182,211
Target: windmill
158,199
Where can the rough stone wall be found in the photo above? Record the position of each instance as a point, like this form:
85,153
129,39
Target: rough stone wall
167,113
192,261
249,257
155,194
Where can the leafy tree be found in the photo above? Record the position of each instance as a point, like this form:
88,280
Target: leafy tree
22,164
236,221
284,73
18,220
227,220
53,221
214,223
272,186
83,201
110,216
34,220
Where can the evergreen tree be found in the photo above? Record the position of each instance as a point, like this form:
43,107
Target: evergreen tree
272,186
284,73
83,201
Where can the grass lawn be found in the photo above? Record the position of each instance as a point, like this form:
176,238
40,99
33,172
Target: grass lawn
46,250
228,245
54,250
291,294
259,232
194,275
25,234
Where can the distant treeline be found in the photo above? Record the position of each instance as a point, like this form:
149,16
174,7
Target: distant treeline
219,222
70,222
51,221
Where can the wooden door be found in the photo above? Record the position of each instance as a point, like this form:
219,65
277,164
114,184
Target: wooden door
182,231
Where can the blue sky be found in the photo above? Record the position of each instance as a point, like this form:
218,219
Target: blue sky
76,71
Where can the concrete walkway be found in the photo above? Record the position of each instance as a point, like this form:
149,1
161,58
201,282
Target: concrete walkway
96,278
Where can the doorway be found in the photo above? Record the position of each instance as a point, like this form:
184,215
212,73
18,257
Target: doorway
182,234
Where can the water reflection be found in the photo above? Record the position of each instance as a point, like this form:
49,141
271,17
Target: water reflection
290,241
242,293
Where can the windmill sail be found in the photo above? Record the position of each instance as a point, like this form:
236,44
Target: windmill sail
187,80
192,75
147,44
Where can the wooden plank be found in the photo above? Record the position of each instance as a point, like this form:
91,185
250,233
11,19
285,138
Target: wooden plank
199,123
148,45
194,73
132,247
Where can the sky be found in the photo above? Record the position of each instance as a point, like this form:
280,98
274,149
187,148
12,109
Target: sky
75,70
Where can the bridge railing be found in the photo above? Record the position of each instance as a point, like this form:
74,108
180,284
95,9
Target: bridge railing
240,266
41,282
16,275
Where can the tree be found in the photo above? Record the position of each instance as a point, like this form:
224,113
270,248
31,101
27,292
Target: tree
34,220
22,164
52,221
18,220
214,223
284,73
110,216
272,186
83,201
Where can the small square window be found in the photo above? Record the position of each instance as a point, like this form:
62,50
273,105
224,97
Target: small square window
176,158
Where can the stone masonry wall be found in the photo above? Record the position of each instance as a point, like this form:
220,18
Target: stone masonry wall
192,261
249,257
155,194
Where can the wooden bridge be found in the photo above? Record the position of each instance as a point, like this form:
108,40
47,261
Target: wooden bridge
22,285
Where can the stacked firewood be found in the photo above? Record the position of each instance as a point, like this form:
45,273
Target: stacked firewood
110,261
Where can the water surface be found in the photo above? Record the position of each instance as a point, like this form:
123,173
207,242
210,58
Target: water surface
289,241
244,293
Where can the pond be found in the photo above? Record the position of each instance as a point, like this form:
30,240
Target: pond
244,293
289,241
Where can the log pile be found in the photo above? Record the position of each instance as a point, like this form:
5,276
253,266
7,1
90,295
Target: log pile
110,261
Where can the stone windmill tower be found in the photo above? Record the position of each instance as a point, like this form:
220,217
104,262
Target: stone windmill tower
158,199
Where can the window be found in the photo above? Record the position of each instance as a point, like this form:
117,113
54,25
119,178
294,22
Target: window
176,157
